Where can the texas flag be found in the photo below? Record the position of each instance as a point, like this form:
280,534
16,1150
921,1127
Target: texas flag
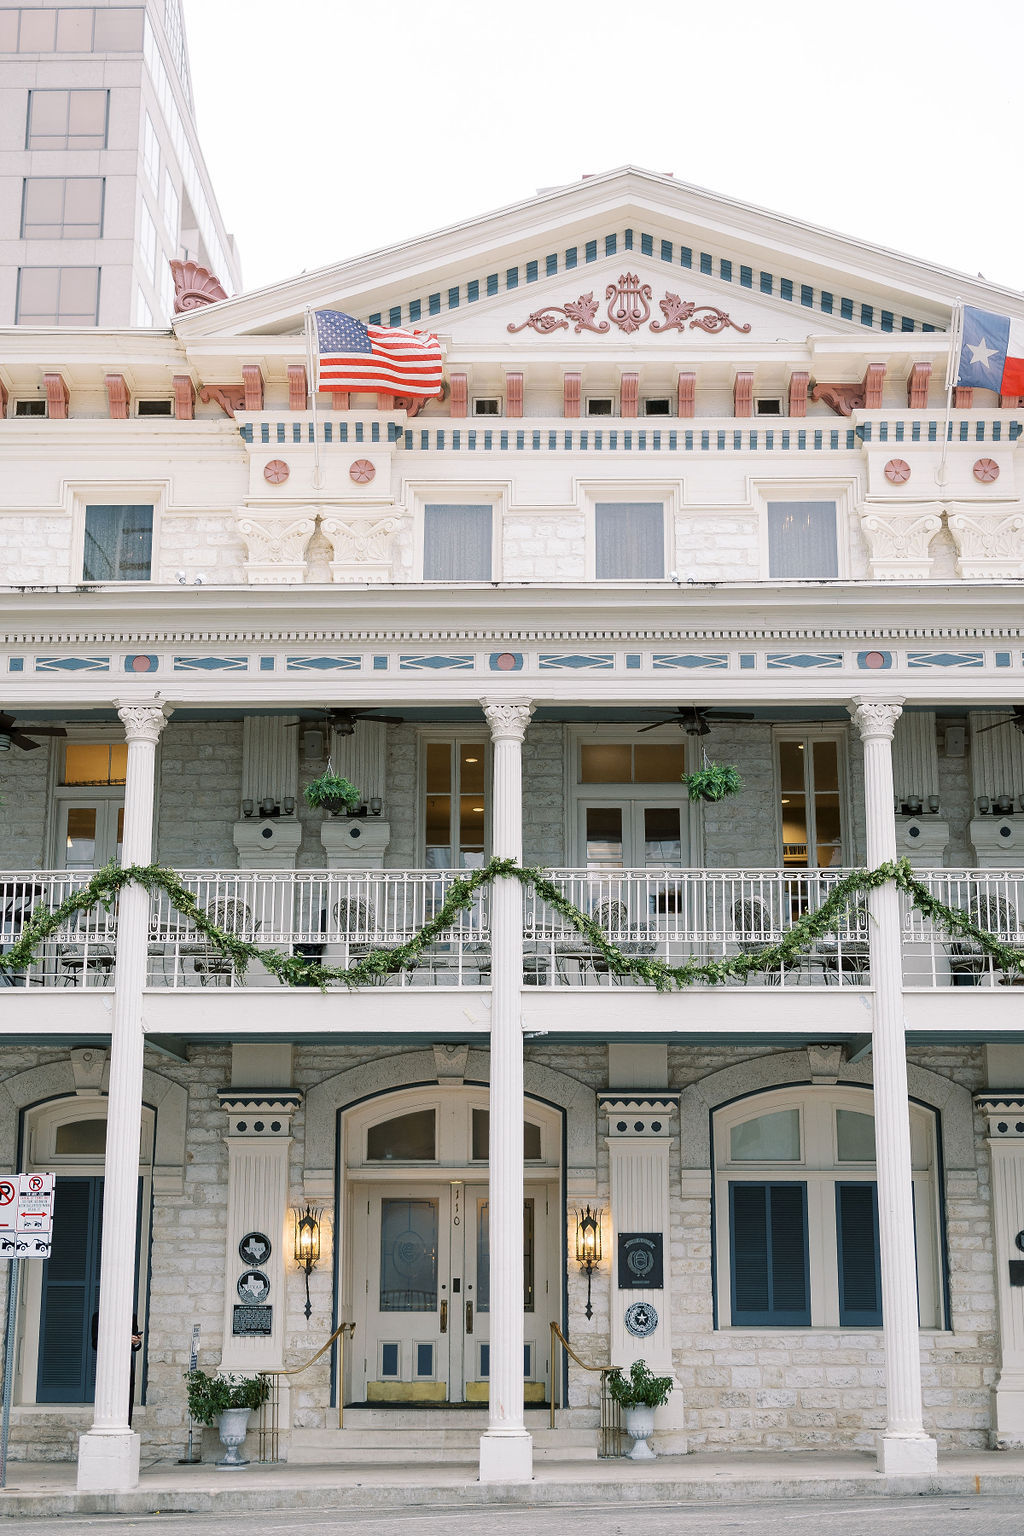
992,352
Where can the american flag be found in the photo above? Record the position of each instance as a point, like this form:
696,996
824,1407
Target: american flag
354,356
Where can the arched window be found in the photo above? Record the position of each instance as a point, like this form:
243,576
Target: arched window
796,1211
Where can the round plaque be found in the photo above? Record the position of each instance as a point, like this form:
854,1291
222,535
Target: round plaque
276,472
897,471
986,470
641,1319
253,1287
255,1249
361,472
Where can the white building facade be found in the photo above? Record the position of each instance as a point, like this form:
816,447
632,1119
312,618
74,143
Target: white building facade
102,178
686,493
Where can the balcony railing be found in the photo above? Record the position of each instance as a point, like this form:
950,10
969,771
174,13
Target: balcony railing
339,916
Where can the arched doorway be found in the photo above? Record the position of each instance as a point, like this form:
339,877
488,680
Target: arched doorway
416,1272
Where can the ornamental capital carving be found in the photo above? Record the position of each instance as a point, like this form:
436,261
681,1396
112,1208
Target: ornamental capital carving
1005,1115
142,722
898,538
507,718
275,545
638,1114
362,543
265,1114
875,722
989,541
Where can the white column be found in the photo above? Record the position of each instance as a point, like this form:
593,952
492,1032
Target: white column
108,1455
506,1448
1004,1112
903,1448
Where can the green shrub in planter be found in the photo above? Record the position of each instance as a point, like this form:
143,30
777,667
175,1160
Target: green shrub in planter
210,1396
641,1388
715,781
332,793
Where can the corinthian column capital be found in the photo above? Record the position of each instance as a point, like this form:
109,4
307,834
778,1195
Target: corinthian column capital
507,718
143,722
875,722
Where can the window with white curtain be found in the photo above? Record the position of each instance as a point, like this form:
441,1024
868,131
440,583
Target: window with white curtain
457,542
802,540
118,543
629,540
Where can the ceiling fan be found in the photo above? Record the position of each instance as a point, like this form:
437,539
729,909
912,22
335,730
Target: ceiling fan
10,736
344,720
1016,720
696,720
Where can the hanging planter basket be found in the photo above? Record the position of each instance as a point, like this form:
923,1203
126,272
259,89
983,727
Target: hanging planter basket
713,781
330,792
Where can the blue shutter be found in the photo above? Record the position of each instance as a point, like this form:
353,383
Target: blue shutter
860,1274
70,1295
768,1241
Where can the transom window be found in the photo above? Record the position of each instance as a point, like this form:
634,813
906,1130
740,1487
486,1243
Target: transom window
457,542
802,542
95,762
629,540
661,762
797,1211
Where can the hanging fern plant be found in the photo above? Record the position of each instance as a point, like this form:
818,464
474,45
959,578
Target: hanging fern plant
713,781
331,792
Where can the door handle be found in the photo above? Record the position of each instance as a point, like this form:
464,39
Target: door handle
469,1317
444,1317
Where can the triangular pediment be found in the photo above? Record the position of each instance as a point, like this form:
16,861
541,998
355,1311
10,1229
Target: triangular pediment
470,282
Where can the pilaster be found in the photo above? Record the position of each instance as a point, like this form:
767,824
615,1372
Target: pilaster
1004,1114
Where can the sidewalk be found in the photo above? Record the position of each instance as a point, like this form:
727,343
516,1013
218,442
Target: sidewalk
47,1489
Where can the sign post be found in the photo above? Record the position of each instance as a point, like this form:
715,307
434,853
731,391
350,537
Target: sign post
190,1457
26,1232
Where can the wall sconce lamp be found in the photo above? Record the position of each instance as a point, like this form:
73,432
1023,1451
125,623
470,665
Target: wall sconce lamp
588,1246
307,1244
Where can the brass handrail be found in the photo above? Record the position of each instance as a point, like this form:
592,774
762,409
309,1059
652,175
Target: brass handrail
611,1420
269,1433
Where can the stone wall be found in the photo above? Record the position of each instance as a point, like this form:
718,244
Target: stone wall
742,1388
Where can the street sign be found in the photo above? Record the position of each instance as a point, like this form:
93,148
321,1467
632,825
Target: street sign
26,1215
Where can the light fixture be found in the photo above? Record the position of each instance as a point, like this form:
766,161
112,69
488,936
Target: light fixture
376,805
588,1246
307,1244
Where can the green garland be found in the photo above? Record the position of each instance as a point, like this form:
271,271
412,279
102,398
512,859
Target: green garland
298,971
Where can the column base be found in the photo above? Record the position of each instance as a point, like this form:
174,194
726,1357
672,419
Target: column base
108,1461
506,1456
1008,1411
907,1455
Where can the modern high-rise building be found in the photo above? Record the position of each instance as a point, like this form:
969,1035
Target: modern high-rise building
102,180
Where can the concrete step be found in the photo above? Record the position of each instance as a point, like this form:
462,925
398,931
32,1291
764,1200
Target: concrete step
446,1416
393,1446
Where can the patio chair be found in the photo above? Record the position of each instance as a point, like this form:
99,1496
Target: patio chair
233,916
89,953
847,960
354,924
968,962
755,931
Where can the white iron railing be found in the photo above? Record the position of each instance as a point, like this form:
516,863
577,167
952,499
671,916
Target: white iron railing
338,916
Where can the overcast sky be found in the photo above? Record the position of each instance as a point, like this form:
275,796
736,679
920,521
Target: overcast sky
334,128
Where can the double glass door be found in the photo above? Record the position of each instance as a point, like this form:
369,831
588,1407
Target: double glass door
427,1293
90,833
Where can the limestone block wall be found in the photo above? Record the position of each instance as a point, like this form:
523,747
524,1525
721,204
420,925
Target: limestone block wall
23,809
200,775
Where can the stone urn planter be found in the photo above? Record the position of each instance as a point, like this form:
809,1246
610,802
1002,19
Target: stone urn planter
640,1424
233,1426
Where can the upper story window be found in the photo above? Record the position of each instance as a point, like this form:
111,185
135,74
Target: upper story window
30,407
58,296
659,405
487,405
148,243
150,152
811,801
171,204
118,543
67,119
797,1211
629,540
802,540
600,405
62,208
457,542
71,29
455,812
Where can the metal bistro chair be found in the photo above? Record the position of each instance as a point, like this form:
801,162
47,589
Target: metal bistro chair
613,917
755,931
968,962
847,961
234,916
354,924
89,953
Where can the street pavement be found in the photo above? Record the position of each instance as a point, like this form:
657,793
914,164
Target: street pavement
961,1516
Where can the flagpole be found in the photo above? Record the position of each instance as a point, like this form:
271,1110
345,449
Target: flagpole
952,369
318,478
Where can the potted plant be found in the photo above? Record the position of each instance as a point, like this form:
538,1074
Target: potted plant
713,781
227,1401
639,1394
331,792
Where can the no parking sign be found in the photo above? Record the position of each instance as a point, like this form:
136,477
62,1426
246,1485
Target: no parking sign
26,1215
